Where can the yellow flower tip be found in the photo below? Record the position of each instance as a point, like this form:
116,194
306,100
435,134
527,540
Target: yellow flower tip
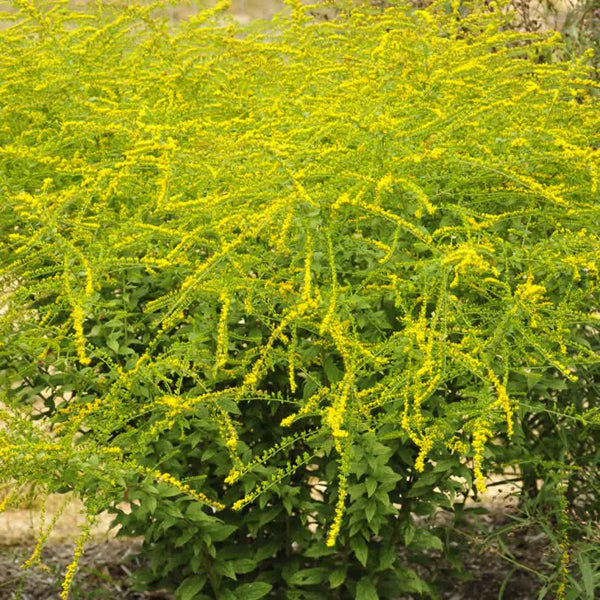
334,531
510,429
480,485
238,505
251,379
287,421
85,360
233,476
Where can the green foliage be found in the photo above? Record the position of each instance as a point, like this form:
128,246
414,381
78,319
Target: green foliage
274,286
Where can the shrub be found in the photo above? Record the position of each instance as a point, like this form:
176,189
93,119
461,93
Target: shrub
281,288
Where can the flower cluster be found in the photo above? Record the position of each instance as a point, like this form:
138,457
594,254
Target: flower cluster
376,222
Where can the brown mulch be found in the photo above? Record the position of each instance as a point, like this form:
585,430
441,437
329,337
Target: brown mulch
479,572
105,568
486,570
503,559
103,572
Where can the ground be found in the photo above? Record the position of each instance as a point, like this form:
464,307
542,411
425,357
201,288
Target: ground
108,561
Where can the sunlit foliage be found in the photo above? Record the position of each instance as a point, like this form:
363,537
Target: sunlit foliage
373,224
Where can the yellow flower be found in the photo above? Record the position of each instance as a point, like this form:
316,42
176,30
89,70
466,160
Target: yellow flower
77,315
481,434
72,568
222,337
530,292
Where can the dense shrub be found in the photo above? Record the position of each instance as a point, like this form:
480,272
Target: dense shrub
281,288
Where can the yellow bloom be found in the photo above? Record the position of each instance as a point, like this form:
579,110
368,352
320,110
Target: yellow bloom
481,434
77,315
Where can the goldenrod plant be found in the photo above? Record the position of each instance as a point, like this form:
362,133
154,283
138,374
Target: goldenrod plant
280,288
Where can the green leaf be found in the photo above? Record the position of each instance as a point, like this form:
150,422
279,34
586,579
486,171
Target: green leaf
410,582
308,576
253,591
318,550
360,549
112,343
387,557
150,503
190,588
425,540
370,510
445,465
267,549
243,565
195,512
331,370
167,491
356,490
224,567
371,485
366,590
173,511
186,536
255,335
219,532
587,576
337,577
409,534
383,496
228,405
